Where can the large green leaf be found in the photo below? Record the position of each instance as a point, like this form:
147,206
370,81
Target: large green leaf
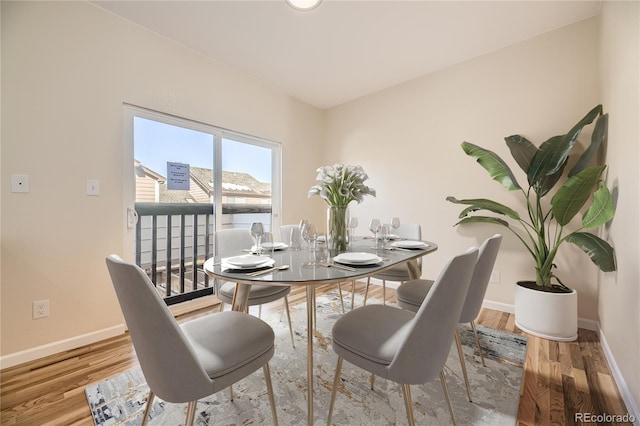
492,163
522,150
574,193
483,219
484,204
599,135
543,162
601,210
548,182
554,152
600,252
587,119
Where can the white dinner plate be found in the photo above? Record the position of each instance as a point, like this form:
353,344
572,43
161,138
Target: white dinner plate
268,245
357,258
409,244
229,267
247,261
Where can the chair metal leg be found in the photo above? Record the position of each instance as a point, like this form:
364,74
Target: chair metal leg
353,293
286,309
230,392
272,399
475,333
191,413
147,409
336,382
372,380
406,393
341,299
366,291
445,390
260,311
384,292
462,363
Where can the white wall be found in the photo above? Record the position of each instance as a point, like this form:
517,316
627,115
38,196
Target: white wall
67,68
619,293
408,139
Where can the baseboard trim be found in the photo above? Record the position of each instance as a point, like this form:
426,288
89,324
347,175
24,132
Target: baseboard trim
17,358
631,404
588,324
498,306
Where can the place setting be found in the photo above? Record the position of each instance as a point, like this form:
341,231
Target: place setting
355,260
246,263
408,245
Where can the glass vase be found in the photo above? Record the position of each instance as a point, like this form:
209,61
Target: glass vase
337,229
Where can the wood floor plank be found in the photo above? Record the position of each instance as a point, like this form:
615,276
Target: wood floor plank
560,379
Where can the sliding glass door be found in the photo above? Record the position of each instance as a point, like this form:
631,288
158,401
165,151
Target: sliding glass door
190,179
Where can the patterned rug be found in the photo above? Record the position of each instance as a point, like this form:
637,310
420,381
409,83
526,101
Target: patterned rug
495,388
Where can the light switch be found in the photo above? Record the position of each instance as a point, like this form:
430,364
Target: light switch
93,187
19,183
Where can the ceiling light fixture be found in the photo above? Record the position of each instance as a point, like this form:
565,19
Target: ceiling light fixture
304,5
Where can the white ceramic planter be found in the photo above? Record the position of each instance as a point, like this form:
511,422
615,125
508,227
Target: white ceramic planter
553,316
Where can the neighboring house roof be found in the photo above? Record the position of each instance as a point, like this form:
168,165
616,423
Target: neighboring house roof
244,184
175,195
233,184
142,170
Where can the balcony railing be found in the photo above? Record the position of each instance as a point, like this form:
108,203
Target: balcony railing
173,240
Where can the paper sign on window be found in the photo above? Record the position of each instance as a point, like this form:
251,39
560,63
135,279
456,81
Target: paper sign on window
178,176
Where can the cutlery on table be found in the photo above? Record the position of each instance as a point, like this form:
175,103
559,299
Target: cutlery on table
337,265
398,248
266,271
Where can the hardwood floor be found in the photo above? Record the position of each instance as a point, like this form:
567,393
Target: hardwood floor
560,379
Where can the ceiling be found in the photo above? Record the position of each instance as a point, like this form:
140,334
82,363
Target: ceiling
347,49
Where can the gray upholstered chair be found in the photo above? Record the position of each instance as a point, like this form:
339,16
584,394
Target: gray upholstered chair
411,294
231,242
406,347
183,363
409,231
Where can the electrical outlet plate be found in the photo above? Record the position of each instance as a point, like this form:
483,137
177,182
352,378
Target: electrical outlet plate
93,187
495,277
40,309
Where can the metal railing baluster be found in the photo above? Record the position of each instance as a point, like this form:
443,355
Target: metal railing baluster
201,245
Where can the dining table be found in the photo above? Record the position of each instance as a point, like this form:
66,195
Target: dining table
310,268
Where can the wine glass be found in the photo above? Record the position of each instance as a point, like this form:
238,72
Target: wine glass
374,226
257,229
303,224
310,236
385,234
267,244
353,224
395,224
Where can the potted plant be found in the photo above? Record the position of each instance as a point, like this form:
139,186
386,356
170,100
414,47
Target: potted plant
547,307
339,185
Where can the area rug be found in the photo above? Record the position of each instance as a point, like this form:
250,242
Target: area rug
495,388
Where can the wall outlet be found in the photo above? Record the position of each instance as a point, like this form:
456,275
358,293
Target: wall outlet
40,309
495,277
93,187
